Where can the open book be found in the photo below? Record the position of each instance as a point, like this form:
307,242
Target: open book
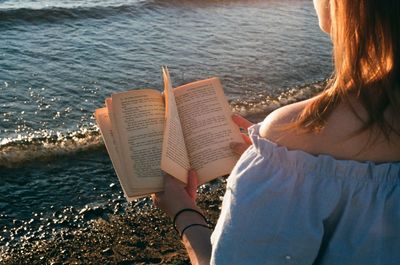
147,132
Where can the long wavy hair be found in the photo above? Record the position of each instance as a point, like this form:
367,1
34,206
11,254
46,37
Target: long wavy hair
366,54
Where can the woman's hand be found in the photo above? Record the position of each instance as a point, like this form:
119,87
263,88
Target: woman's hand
176,195
191,224
244,124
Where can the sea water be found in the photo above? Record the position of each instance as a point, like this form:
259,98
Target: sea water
59,60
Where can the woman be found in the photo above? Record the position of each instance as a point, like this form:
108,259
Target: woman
321,182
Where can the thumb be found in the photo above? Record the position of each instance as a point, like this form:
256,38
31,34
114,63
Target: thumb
193,181
238,148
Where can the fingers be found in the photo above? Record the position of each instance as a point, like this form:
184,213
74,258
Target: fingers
238,148
246,139
192,184
173,184
241,122
170,181
155,197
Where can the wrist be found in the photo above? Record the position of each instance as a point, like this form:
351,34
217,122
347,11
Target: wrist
187,217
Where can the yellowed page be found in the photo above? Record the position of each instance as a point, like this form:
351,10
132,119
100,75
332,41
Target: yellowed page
174,159
139,121
104,123
208,129
113,129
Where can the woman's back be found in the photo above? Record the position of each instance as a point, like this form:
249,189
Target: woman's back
292,207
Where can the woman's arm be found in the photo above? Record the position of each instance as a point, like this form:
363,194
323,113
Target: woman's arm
176,197
179,203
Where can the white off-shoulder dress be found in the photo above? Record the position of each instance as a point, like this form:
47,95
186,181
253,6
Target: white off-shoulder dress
289,207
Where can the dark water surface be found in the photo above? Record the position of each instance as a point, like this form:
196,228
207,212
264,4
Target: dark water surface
60,59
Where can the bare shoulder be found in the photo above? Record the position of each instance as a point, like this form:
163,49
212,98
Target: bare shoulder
337,138
272,128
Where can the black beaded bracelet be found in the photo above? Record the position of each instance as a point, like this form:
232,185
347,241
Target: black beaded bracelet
186,210
191,225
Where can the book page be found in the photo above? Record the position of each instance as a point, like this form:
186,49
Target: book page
208,129
175,160
139,123
113,129
104,123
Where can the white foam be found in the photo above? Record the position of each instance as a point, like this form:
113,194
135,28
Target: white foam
16,151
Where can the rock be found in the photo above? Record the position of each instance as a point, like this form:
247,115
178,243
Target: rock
126,262
107,252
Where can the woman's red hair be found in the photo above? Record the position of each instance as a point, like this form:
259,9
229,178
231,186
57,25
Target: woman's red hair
366,53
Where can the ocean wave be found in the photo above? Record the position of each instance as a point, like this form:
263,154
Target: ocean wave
45,146
261,104
52,11
45,13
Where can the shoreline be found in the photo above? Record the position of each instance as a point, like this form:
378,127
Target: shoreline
140,234
18,150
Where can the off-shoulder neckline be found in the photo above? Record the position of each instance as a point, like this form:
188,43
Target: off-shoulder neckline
322,163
